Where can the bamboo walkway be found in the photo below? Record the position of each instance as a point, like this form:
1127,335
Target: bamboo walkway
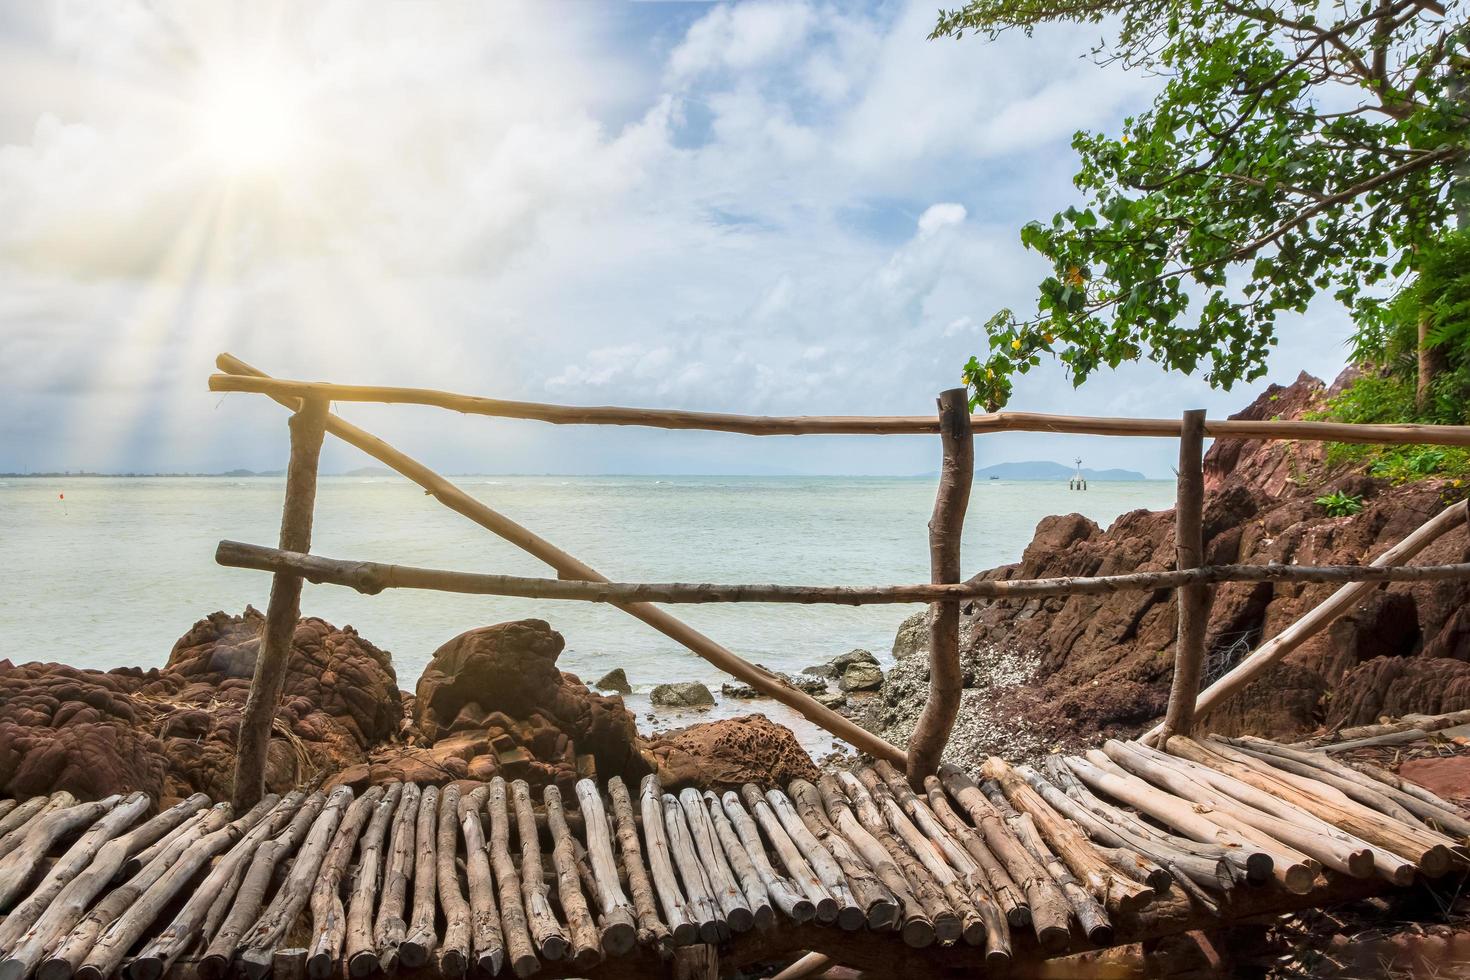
978,871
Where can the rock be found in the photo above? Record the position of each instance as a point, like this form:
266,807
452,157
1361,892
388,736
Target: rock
831,699
172,732
809,685
912,636
1448,778
492,701
834,667
728,753
859,676
690,694
615,681
1070,671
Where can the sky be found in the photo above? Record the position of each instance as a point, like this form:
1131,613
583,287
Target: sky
764,207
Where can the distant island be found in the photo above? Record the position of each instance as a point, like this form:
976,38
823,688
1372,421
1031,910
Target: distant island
1042,470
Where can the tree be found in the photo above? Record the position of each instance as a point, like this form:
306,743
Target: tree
1297,147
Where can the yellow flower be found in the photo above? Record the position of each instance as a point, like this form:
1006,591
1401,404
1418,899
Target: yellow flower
1016,344
989,373
1048,337
1074,276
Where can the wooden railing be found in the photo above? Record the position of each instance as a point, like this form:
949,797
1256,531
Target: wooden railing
311,420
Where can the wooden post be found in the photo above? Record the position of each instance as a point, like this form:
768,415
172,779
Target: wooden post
570,567
1193,601
308,425
931,732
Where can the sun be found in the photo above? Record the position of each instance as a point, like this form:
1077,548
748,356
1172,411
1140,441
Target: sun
249,117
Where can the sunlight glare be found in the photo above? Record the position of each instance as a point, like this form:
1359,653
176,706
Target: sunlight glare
249,118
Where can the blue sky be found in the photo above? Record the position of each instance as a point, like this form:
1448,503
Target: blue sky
768,207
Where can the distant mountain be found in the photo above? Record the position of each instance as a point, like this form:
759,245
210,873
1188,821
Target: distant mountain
1040,470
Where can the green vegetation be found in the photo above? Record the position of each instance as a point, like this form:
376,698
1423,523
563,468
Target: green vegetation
1296,148
1424,328
1339,504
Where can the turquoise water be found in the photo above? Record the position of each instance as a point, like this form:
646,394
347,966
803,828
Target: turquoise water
117,571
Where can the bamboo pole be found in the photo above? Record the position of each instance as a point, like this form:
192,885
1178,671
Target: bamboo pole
1192,601
423,938
359,951
1395,434
551,941
24,951
681,915
586,943
370,578
390,927
22,864
936,719
328,914
651,929
619,930
250,896
513,918
782,890
274,652
569,567
77,857
489,940
914,926
1340,602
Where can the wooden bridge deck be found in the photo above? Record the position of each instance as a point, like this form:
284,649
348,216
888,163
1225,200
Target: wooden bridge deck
982,871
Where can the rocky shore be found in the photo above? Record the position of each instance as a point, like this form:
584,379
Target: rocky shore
1047,674
1040,675
491,701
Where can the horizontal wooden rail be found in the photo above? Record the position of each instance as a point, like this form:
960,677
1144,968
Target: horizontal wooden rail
1342,601
570,567
761,425
373,577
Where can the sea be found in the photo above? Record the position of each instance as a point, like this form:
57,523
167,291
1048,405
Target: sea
103,572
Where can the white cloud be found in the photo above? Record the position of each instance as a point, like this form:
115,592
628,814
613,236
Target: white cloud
779,207
938,216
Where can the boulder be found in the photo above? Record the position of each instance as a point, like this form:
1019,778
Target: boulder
835,667
689,694
831,699
615,681
493,699
728,753
859,676
912,636
172,731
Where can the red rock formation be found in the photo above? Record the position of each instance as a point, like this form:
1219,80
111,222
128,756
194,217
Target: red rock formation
729,753
172,732
1104,663
492,701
